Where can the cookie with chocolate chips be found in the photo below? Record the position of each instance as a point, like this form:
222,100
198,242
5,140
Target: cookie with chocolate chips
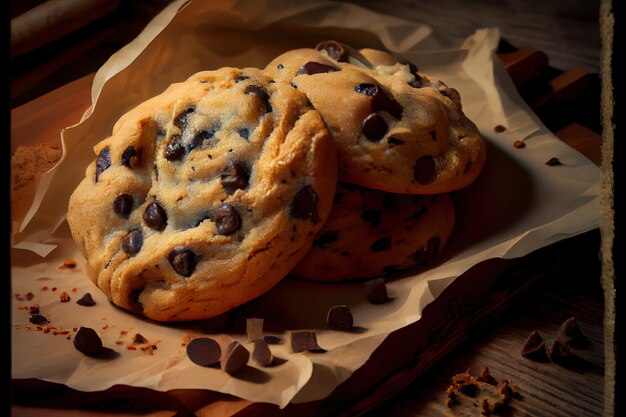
395,129
205,196
371,233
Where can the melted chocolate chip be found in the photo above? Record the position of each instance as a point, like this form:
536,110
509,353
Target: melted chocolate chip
86,300
244,133
311,68
174,149
183,261
234,177
374,127
291,83
412,67
280,66
433,135
261,93
130,157
227,221
182,119
304,204
416,82
335,50
123,205
326,238
380,99
241,78
380,245
103,162
133,298
424,170
87,341
391,141
132,242
203,351
155,216
367,89
340,317
202,138
372,217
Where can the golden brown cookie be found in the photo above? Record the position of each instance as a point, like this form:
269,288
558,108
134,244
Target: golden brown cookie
205,196
395,129
371,233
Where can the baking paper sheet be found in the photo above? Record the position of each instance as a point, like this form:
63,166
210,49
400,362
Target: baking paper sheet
516,206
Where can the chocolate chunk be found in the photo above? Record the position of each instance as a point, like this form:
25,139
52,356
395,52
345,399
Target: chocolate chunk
367,89
424,170
273,340
86,300
485,376
103,162
38,319
340,317
382,244
129,157
433,135
261,354
201,139
553,162
244,133
291,83
380,99
235,358
391,141
280,66
304,341
261,93
561,353
304,204
376,291
311,68
416,82
374,127
427,252
534,347
204,351
234,177
133,298
182,119
519,144
174,150
372,217
227,221
139,339
499,129
326,238
87,341
183,261
334,50
241,78
570,334
412,67
254,329
155,216
123,205
132,242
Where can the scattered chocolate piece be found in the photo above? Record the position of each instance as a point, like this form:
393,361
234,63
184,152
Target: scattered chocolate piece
86,300
65,297
236,357
374,127
485,376
183,261
227,221
240,79
132,242
88,342
123,205
311,68
182,119
304,204
465,384
335,50
273,340
130,157
139,339
202,138
254,329
553,162
376,291
204,351
424,170
174,149
234,177
561,353
499,129
155,217
570,334
103,162
519,144
416,82
262,354
261,93
305,341
244,133
380,99
534,347
340,317
380,245
38,319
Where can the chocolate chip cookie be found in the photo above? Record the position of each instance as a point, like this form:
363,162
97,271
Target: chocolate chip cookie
395,129
372,233
205,196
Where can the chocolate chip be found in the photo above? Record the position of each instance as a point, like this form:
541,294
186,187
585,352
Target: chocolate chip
86,300
534,347
280,66
424,170
235,358
372,217
428,252
128,155
87,341
376,291
340,317
182,119
183,261
335,50
234,177
374,127
174,150
519,144
133,298
311,68
380,99
203,351
388,200
412,67
499,129
139,339
570,334
367,89
417,82
201,139
132,242
38,319
261,93
291,83
261,354
273,340
241,78
304,341
304,204
155,216
553,162
391,141
254,329
103,162
244,133
326,238
227,221
561,353
382,244
123,205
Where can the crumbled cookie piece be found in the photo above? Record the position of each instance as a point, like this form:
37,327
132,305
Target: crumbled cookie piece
534,347
466,394
570,334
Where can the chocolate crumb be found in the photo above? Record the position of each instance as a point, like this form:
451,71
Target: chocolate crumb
499,129
340,317
519,144
553,162
534,347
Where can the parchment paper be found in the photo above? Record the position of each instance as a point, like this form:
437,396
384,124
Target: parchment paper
517,205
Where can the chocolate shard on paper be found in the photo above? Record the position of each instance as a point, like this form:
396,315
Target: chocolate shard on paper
235,357
261,354
305,341
534,347
204,351
88,342
254,329
340,317
86,300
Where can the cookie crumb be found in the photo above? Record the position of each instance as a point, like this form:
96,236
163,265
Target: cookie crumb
469,394
570,334
68,264
65,297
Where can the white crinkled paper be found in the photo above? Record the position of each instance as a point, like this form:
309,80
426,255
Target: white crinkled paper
517,205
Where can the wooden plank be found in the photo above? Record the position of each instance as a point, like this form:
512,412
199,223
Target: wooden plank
583,139
523,65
